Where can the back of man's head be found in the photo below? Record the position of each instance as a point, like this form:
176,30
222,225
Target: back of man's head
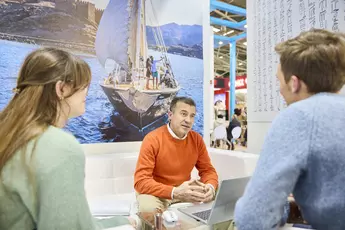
317,57
237,111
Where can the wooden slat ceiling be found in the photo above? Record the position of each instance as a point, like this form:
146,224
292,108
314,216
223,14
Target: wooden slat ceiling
221,54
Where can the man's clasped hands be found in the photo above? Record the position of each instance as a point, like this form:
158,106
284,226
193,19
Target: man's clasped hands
194,191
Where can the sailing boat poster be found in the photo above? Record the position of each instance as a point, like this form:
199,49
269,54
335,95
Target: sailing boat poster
142,53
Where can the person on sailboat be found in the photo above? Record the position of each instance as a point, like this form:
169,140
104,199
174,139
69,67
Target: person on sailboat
148,72
166,159
155,71
109,80
42,167
167,81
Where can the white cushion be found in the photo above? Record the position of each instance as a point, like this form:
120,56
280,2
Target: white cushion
112,205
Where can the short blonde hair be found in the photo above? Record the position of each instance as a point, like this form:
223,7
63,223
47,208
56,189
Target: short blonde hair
317,57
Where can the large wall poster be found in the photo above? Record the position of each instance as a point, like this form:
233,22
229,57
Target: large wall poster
274,21
118,39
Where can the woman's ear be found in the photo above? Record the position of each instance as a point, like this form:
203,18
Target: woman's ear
62,90
59,89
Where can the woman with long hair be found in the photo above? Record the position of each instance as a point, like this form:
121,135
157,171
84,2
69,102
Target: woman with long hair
42,166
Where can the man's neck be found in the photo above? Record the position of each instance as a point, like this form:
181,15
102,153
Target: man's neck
303,96
173,134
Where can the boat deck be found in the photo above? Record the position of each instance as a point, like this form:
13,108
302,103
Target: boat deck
127,86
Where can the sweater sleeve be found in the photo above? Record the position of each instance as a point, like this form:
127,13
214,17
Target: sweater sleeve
62,201
207,172
282,160
143,177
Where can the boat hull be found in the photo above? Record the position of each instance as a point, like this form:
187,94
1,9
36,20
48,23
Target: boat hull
141,109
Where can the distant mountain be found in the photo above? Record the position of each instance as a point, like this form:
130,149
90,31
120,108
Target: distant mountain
174,34
194,51
40,21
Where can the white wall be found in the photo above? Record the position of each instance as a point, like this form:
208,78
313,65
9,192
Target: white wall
210,97
208,69
108,148
269,22
126,147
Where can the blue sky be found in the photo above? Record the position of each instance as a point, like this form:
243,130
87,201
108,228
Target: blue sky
183,12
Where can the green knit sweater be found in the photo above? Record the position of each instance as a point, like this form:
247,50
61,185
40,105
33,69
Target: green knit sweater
49,194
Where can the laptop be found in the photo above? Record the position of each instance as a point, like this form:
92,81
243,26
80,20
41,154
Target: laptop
222,208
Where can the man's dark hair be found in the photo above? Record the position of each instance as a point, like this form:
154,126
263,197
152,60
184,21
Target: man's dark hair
186,100
220,116
237,111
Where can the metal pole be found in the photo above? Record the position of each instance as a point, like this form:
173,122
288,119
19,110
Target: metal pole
232,78
228,8
230,39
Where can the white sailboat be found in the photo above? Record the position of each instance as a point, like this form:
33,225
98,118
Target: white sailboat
121,37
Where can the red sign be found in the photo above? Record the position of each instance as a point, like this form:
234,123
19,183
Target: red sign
241,82
224,83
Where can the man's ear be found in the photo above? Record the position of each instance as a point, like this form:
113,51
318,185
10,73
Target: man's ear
170,114
295,84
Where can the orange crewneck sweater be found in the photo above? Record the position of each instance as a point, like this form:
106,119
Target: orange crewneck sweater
165,162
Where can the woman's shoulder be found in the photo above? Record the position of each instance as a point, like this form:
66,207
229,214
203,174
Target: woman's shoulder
57,145
56,135
56,138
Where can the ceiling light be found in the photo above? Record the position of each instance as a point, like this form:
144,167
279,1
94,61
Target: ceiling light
245,43
221,57
220,42
240,63
229,32
245,26
216,30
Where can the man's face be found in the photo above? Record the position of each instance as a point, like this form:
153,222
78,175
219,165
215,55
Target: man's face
182,118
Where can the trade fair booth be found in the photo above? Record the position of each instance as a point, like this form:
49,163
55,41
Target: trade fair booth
176,34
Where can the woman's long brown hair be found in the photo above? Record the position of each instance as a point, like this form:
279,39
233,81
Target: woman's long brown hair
34,106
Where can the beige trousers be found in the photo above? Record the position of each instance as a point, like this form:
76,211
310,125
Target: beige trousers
149,203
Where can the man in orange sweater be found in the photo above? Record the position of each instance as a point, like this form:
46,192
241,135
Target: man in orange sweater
167,158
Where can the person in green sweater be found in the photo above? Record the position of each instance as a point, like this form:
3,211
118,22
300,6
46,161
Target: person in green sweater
42,166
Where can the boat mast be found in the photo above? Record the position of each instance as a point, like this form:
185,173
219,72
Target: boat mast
160,42
134,20
143,29
141,39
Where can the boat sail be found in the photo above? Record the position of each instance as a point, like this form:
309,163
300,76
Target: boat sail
121,37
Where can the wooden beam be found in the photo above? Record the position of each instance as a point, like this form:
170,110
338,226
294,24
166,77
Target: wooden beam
225,16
